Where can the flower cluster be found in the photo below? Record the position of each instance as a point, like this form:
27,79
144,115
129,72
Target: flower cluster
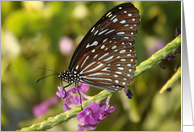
168,57
169,89
162,66
92,114
172,56
70,100
128,93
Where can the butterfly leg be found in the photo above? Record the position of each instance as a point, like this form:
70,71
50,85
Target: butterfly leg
64,88
79,95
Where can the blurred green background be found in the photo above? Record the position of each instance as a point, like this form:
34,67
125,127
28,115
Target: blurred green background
31,34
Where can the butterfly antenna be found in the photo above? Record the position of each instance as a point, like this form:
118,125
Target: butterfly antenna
47,69
46,77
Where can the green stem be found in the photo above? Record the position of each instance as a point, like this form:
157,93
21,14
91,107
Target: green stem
147,64
157,57
64,117
172,80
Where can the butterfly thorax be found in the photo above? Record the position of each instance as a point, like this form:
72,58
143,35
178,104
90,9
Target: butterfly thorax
69,77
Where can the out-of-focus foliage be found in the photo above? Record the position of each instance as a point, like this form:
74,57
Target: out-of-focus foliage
31,34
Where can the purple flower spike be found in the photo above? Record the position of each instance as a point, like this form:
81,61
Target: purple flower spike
162,66
66,108
88,126
71,100
169,89
104,109
43,107
179,51
172,56
178,31
93,114
90,115
61,93
168,57
128,93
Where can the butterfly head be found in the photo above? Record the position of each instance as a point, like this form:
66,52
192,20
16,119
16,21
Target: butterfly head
69,77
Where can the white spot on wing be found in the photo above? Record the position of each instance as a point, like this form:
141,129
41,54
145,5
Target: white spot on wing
95,56
115,75
130,70
103,56
113,17
94,74
126,37
77,67
96,32
125,79
108,79
103,46
102,32
109,31
128,54
92,29
100,65
105,69
128,64
93,50
129,14
88,66
133,19
109,58
117,81
114,47
120,68
122,51
122,59
108,14
84,61
126,25
115,20
95,43
116,50
122,21
119,33
118,72
104,40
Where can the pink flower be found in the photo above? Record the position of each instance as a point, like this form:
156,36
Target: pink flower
66,45
43,107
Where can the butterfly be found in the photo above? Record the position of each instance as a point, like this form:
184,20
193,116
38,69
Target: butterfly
105,58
